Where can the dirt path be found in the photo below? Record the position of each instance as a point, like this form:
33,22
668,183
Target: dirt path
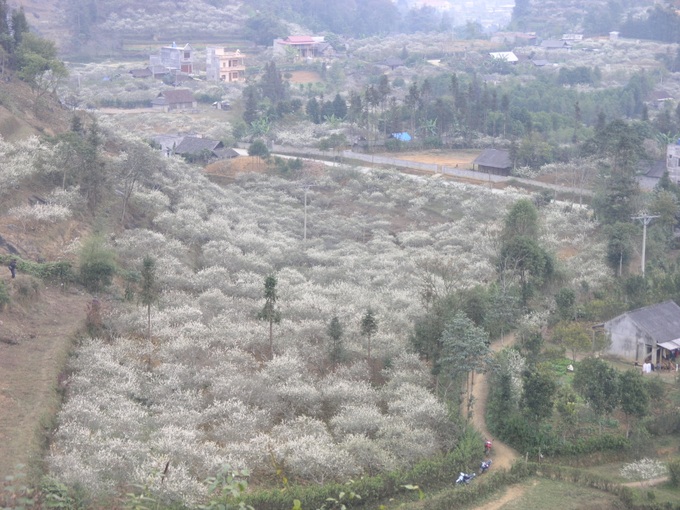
35,336
502,455
647,483
511,493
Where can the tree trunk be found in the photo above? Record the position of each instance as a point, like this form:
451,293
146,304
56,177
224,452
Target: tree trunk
470,393
271,337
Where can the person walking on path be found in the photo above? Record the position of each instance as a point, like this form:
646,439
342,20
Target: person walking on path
13,267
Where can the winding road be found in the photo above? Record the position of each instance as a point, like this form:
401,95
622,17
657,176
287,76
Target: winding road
502,455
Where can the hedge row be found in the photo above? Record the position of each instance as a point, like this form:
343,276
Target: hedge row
480,488
61,271
581,477
516,431
430,474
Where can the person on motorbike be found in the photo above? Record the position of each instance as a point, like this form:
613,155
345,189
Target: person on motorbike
486,464
464,478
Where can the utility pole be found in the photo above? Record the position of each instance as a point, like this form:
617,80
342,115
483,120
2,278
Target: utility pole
646,220
304,234
306,187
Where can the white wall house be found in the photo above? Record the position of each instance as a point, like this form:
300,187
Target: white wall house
646,333
673,161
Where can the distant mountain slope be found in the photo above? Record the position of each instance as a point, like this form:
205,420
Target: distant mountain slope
45,17
104,27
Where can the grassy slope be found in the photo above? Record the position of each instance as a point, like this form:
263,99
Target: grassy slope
35,338
37,327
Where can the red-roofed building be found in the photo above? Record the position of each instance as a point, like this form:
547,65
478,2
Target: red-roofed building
304,46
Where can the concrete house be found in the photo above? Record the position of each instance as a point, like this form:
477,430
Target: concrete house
673,161
651,333
175,58
174,99
493,161
224,65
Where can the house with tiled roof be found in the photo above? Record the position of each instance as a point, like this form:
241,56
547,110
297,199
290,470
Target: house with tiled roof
174,99
554,44
651,333
493,161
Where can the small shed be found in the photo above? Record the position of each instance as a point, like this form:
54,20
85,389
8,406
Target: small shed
493,161
649,333
174,99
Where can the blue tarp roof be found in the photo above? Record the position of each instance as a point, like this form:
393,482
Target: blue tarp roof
404,137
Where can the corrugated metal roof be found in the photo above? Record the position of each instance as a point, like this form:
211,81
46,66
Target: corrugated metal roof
661,321
194,144
494,158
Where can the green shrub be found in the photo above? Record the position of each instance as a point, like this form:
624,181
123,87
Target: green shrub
432,142
208,97
56,494
4,295
664,424
97,265
393,145
674,472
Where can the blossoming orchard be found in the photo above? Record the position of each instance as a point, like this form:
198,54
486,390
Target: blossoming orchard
206,391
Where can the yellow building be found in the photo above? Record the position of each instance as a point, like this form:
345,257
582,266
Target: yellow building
224,65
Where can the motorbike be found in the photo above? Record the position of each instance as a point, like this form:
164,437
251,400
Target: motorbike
487,447
486,464
465,478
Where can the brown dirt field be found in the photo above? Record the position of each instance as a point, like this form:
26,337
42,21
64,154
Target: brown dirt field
304,77
462,158
233,167
35,338
567,253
